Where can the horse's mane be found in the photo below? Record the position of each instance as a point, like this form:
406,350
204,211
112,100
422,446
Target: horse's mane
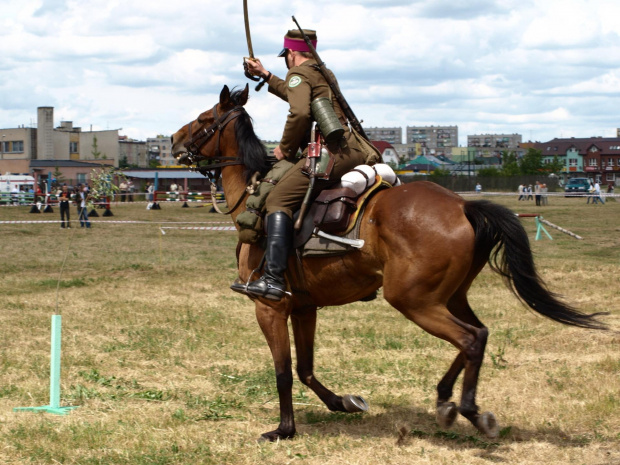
251,149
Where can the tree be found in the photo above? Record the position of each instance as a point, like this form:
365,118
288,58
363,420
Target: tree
58,177
488,171
555,167
103,187
95,151
532,162
510,166
440,172
123,162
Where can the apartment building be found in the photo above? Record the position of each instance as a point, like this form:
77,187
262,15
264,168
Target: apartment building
434,139
389,135
159,149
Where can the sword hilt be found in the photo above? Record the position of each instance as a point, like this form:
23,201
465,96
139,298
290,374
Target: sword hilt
246,71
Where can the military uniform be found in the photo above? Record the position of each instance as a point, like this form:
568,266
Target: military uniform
302,85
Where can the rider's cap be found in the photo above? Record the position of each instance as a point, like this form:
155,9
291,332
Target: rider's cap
293,40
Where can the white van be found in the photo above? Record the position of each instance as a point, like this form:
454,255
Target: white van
19,182
16,188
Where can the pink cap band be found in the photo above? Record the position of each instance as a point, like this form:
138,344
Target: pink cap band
298,45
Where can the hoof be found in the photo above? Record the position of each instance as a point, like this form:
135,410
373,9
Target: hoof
446,414
273,436
487,425
354,404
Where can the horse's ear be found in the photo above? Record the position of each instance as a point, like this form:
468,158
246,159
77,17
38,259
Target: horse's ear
225,96
243,97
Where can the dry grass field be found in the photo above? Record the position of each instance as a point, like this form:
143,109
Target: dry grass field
168,366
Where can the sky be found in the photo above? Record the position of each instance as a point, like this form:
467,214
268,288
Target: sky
542,69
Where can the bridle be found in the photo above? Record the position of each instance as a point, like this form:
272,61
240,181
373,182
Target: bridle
197,141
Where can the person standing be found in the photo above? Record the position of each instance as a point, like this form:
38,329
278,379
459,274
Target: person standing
130,190
64,197
543,191
537,193
597,194
123,190
83,202
304,83
174,188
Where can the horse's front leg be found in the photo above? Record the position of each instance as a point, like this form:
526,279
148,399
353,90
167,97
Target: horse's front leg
273,323
304,328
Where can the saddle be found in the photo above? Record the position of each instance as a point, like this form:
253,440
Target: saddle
338,212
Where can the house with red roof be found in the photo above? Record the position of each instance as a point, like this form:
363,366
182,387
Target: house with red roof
388,152
597,158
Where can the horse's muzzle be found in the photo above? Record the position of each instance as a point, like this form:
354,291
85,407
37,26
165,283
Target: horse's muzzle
183,157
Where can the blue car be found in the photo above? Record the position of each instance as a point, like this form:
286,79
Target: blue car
577,187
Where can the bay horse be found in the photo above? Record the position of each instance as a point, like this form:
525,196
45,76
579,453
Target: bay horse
424,245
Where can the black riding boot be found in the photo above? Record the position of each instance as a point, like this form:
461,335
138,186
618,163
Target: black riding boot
272,284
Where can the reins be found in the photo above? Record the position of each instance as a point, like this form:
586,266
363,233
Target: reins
197,141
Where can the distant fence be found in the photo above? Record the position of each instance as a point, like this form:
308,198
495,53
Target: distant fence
495,183
16,198
166,196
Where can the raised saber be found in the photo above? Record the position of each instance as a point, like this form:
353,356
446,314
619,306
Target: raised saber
248,36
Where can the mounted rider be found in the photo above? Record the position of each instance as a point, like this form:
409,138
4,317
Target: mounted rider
304,83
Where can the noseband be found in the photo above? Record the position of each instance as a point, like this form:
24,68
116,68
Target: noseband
198,140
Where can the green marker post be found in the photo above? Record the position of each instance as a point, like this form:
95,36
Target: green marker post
54,406
540,228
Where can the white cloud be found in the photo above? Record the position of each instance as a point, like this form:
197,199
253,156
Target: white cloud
539,68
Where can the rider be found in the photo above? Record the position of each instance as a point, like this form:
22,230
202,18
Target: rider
303,83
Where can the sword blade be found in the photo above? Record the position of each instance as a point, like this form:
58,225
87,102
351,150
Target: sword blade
248,36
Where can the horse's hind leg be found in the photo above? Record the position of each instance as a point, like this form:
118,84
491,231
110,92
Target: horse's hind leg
469,340
474,353
304,328
447,410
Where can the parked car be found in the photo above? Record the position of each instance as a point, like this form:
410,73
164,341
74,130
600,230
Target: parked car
577,186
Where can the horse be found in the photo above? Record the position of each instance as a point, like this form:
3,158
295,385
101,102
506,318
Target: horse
423,244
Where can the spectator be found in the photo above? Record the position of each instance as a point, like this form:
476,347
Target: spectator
543,191
596,190
537,192
130,189
529,193
64,197
478,188
83,197
521,190
123,190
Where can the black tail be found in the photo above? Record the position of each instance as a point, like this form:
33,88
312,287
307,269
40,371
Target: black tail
498,228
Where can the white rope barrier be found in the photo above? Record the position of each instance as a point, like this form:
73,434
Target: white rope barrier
203,228
117,222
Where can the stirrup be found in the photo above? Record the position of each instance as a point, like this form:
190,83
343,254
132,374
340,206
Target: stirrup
270,292
241,288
